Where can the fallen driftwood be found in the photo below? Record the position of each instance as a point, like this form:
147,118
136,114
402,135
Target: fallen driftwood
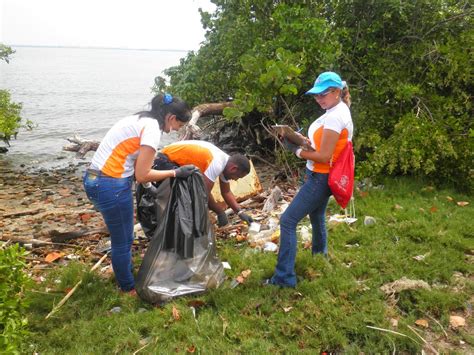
61,237
23,213
81,146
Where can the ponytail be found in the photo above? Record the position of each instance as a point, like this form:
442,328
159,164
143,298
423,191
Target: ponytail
162,104
345,94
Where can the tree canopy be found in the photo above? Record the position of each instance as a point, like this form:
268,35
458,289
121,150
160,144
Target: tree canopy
408,65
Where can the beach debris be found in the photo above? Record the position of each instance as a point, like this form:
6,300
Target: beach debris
270,247
369,221
391,289
272,200
423,323
240,279
462,203
456,322
51,257
341,218
116,310
226,265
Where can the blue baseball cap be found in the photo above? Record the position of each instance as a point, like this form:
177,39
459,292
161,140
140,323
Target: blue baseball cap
325,81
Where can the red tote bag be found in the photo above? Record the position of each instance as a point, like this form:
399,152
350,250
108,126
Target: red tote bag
341,176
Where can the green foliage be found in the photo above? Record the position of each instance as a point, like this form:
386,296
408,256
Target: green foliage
5,52
408,64
10,120
12,301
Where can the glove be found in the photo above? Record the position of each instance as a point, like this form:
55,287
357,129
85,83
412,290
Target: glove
184,171
290,146
222,219
245,217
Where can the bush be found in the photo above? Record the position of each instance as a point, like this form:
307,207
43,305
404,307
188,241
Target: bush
13,281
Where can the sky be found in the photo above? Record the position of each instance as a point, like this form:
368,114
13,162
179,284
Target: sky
138,24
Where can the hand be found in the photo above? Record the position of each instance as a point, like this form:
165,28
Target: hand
290,146
151,189
245,217
184,171
222,219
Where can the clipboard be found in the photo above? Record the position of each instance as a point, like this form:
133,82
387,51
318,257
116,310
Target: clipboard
296,138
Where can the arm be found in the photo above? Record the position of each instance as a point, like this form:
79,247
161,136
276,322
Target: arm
328,144
210,199
228,196
143,170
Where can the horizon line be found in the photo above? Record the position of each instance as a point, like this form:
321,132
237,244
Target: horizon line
92,47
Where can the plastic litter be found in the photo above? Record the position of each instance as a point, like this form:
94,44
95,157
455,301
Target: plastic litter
181,258
270,247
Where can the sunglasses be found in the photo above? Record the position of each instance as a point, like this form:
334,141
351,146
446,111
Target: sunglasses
324,93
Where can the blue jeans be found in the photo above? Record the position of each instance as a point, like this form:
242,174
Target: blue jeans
312,199
114,199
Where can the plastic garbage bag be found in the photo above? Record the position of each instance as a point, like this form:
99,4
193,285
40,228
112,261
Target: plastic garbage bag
181,257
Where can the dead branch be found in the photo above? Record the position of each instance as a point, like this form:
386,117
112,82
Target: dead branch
203,110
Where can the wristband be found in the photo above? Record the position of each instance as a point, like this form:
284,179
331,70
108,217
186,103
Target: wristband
298,152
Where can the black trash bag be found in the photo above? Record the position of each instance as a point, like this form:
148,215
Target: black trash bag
151,202
181,257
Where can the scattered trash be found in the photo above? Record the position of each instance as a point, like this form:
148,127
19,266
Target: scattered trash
341,218
391,289
226,265
462,203
422,323
369,221
53,256
270,247
241,278
456,322
287,309
306,234
116,310
103,246
421,257
254,228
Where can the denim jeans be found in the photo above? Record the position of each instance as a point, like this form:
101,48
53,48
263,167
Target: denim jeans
312,199
114,199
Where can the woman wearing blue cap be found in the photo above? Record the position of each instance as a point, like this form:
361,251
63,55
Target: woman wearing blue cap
328,136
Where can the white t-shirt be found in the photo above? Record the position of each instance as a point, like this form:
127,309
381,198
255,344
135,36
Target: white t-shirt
209,159
118,150
336,119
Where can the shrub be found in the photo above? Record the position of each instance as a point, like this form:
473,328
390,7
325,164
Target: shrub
13,281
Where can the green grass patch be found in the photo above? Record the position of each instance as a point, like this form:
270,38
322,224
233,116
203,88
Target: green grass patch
336,299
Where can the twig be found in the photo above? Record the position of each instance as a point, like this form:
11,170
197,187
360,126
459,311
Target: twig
446,334
143,347
69,294
424,341
391,331
289,112
262,160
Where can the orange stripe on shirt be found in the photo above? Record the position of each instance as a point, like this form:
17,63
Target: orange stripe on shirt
115,164
183,154
341,143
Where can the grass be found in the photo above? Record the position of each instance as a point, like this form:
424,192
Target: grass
335,301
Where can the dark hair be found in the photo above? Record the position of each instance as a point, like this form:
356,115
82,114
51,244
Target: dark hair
162,104
241,162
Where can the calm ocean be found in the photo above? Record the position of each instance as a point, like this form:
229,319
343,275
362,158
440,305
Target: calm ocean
67,91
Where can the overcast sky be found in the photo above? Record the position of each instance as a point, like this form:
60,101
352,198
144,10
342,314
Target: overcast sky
151,24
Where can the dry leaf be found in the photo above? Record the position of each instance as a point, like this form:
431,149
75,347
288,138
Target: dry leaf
176,314
462,203
398,207
191,349
433,209
196,303
246,273
53,256
394,322
422,323
422,210
457,321
240,238
449,198
363,194
287,309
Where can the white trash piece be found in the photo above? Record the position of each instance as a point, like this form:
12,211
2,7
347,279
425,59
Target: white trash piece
270,247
